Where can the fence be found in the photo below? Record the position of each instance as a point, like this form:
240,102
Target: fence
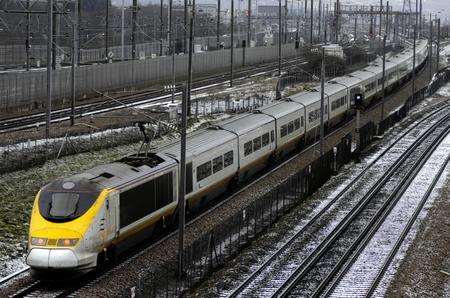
13,55
215,247
440,79
27,90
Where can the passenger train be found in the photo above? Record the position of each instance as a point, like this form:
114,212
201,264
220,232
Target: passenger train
78,222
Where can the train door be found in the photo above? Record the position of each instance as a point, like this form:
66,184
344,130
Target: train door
111,215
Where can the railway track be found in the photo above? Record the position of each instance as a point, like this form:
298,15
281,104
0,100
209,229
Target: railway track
140,98
299,269
35,288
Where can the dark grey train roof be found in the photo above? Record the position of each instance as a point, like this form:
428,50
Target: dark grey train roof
117,174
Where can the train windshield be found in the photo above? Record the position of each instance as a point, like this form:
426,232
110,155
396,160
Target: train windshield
65,206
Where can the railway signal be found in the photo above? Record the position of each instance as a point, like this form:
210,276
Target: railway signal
358,105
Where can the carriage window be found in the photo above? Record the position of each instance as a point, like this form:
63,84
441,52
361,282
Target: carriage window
257,144
290,127
314,115
204,171
284,130
217,164
248,148
303,121
272,136
146,198
228,159
265,139
297,123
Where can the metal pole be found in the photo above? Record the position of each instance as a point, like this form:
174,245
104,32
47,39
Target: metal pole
438,46
191,50
305,20
371,31
74,63
322,102
28,41
383,79
218,24
49,66
311,24
123,30
430,54
249,23
161,28
232,44
182,185
421,19
387,19
54,34
106,30
171,47
325,33
356,25
133,29
279,38
337,29
414,57
285,21
185,37
381,18
320,22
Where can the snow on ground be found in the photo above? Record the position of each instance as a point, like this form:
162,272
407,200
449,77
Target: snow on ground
367,265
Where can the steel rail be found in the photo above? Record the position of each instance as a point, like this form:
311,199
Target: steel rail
406,230
350,257
313,220
325,245
13,275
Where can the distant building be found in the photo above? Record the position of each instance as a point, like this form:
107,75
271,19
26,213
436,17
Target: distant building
268,10
334,50
210,9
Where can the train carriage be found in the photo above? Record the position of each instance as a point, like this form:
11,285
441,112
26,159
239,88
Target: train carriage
290,123
311,102
338,102
211,161
256,133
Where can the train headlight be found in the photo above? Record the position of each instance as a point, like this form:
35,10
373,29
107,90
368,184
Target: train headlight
38,241
67,242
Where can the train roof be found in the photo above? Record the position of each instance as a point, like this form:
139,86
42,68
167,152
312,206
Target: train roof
306,98
245,124
348,80
119,173
362,74
332,87
281,108
196,144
